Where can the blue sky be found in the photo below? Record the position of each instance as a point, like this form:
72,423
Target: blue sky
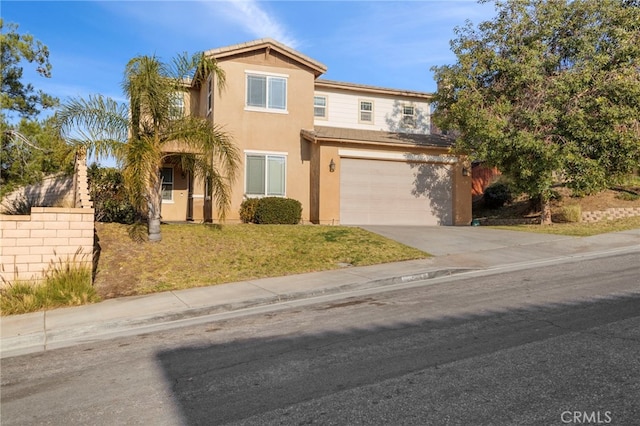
388,44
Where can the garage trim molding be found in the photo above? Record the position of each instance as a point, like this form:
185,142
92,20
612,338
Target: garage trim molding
397,156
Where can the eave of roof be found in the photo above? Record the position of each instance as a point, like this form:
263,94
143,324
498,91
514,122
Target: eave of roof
345,135
223,52
331,84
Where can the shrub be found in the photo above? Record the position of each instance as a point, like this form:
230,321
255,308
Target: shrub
571,213
628,196
248,210
278,211
110,200
66,283
497,195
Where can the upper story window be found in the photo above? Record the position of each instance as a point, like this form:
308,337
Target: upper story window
408,116
366,112
176,108
166,175
320,106
266,92
265,174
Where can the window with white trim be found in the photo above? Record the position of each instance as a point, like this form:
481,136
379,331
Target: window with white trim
366,112
320,106
166,176
266,92
408,116
176,108
265,174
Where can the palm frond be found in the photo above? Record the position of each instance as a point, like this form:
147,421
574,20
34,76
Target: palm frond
197,135
150,88
207,65
221,193
98,123
142,161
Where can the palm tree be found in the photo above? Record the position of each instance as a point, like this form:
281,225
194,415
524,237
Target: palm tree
143,135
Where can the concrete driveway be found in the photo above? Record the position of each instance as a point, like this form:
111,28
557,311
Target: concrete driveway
448,240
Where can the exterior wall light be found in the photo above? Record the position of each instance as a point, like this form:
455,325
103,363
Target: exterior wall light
332,166
465,171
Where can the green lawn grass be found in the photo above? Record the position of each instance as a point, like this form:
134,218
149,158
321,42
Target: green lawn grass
192,255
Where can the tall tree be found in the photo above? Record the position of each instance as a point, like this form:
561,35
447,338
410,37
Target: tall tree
31,150
548,91
144,134
16,95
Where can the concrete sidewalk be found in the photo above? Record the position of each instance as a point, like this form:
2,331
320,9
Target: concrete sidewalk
456,250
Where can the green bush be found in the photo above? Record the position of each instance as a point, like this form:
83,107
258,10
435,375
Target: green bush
278,211
497,195
110,199
248,210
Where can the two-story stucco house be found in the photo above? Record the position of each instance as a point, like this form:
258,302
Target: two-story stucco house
351,154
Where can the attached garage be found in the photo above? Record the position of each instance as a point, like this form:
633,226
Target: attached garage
361,177
379,192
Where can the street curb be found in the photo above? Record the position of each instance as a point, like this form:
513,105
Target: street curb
53,339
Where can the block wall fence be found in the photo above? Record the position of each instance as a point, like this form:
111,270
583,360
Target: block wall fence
29,244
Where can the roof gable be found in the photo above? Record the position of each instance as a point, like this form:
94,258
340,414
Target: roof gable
267,45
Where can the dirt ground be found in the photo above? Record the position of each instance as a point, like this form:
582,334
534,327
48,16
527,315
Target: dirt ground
521,207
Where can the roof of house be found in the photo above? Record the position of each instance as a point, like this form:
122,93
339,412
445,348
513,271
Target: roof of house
269,44
339,134
331,84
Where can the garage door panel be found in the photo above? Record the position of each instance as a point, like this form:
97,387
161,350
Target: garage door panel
377,192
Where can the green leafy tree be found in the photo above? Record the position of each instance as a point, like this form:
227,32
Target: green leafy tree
143,135
16,95
30,151
548,91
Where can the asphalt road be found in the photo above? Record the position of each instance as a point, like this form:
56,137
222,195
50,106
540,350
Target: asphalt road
554,345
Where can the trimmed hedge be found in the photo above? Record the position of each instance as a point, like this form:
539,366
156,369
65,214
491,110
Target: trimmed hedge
271,210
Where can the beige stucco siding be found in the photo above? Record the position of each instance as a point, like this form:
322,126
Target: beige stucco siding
268,131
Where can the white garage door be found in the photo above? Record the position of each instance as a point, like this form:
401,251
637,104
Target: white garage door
378,192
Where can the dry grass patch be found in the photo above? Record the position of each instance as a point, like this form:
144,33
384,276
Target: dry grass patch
66,283
579,229
192,255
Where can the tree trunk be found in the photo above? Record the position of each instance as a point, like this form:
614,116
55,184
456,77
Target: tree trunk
545,216
155,203
154,229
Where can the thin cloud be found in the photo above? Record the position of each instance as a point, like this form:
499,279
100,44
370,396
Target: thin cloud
256,20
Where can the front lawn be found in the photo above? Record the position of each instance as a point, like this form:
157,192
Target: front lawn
193,255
